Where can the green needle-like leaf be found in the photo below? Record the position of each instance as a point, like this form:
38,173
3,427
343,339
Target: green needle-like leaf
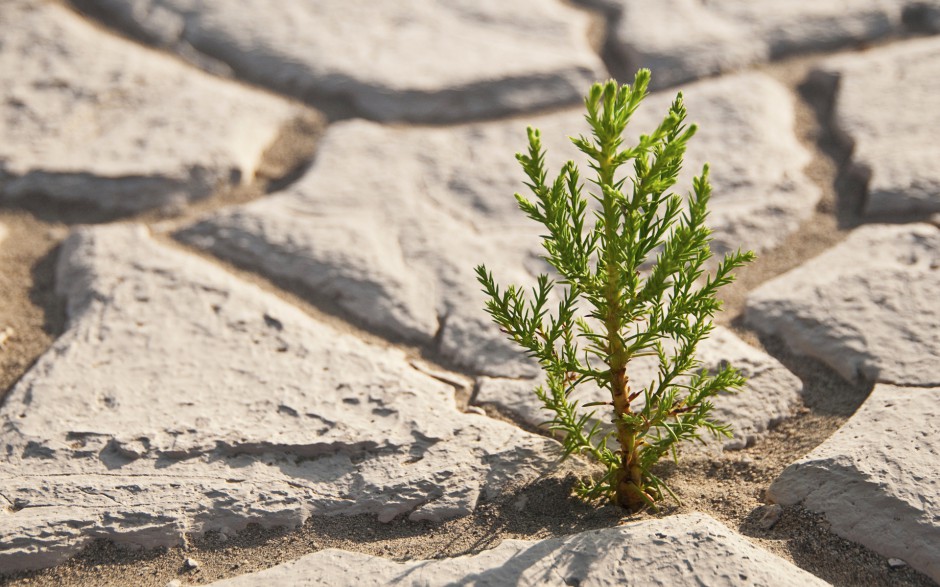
632,285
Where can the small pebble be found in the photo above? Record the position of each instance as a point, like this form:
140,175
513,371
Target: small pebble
5,335
895,563
476,410
771,516
175,583
191,564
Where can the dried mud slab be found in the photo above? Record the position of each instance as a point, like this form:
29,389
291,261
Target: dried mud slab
867,307
90,118
420,60
181,400
690,39
876,478
691,549
886,107
389,222
771,394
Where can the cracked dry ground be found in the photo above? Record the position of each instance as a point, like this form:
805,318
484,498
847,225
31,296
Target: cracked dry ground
241,342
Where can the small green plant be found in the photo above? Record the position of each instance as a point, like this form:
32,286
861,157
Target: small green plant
663,311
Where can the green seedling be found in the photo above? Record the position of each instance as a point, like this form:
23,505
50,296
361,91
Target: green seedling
632,285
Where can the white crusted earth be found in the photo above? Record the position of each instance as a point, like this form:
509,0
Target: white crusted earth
389,222
690,39
886,107
88,117
417,60
181,399
867,307
876,478
771,394
691,549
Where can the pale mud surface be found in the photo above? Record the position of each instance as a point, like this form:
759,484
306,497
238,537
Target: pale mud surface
729,488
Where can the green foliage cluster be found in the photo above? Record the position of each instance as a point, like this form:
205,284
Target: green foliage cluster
664,311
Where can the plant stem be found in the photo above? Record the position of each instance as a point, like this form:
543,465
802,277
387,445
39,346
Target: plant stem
629,483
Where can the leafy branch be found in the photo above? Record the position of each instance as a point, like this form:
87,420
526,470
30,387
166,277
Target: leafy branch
664,312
